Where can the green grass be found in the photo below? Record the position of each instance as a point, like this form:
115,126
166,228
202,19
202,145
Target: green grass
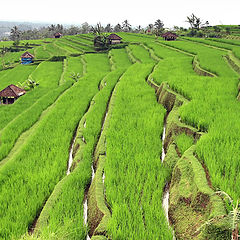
134,175
42,161
120,58
213,108
184,142
141,54
210,59
15,75
65,209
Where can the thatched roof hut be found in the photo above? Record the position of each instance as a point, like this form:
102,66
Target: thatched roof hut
27,58
169,36
11,93
114,38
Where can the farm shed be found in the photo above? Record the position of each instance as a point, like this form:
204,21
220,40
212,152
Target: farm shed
10,94
114,39
57,35
27,58
169,36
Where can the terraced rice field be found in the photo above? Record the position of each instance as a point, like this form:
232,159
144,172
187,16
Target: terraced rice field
139,147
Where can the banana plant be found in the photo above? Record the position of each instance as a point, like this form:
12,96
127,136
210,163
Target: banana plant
75,76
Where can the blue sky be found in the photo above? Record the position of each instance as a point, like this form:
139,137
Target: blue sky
171,12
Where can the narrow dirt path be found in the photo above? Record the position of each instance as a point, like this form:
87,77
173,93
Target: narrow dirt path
167,188
98,165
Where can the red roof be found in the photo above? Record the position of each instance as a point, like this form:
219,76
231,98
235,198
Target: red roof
169,34
12,91
27,55
114,36
57,34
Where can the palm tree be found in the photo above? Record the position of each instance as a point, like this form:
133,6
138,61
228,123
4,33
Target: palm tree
98,29
158,27
108,28
75,76
52,28
31,83
194,21
117,28
15,33
139,28
158,24
126,26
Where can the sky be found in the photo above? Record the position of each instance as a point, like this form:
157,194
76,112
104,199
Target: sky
137,12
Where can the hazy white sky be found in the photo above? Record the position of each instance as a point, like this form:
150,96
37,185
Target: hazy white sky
137,12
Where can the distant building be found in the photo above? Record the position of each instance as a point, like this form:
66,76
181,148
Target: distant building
10,94
57,35
27,58
169,36
114,39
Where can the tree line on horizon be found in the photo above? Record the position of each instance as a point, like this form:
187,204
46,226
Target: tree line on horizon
48,32
198,28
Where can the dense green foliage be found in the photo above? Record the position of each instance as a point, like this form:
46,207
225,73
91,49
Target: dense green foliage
213,107
184,142
35,155
134,177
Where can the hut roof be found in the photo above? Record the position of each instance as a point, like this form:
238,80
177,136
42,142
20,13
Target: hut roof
169,34
114,36
27,55
12,91
57,34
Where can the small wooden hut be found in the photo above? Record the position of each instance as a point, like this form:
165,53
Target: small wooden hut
114,39
27,58
169,36
10,94
57,35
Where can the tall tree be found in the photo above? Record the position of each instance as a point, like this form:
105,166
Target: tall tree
59,28
150,27
51,28
15,33
98,29
126,26
73,30
85,27
194,21
139,28
117,28
108,28
158,27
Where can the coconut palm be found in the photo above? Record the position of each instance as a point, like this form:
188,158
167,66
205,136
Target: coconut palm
118,28
158,27
158,24
194,21
75,76
31,83
108,28
126,26
15,33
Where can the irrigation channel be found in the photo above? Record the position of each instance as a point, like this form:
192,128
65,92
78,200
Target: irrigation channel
165,201
70,160
166,192
95,166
